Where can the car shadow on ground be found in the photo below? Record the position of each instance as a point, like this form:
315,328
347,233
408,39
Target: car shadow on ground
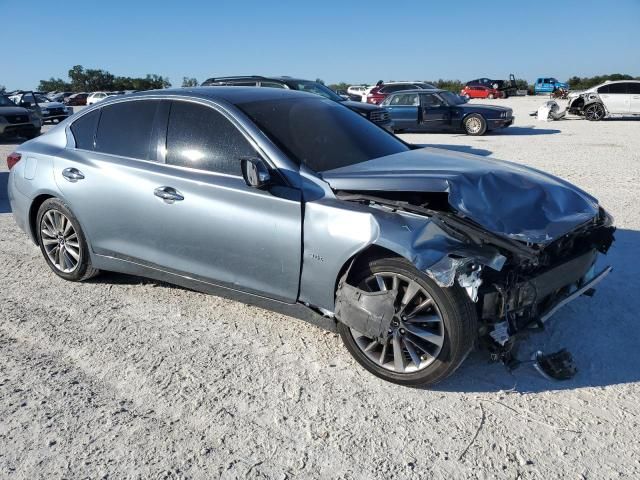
601,333
528,131
4,196
457,148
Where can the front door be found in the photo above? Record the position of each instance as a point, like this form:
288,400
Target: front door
435,114
616,98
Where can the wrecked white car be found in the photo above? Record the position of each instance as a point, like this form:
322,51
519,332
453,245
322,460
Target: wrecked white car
620,98
300,205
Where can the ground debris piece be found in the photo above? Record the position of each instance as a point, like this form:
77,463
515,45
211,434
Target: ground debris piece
556,366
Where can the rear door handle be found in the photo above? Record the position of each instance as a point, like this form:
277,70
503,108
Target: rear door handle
72,174
168,194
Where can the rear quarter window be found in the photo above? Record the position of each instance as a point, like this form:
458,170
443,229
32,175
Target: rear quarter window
84,130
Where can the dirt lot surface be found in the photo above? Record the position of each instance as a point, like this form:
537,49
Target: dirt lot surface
121,377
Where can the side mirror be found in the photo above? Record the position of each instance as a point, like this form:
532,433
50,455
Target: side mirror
255,172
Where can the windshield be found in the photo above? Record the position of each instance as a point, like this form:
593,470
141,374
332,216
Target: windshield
451,98
318,89
321,134
5,102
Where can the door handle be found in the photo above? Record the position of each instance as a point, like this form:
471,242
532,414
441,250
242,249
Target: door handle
72,174
168,194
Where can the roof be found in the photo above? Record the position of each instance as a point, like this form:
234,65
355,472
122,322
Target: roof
229,94
419,90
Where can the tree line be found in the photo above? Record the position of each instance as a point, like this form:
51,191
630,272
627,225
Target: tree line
91,80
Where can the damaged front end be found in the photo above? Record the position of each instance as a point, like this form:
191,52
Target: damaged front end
579,101
515,285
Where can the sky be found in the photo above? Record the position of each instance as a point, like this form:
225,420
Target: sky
350,41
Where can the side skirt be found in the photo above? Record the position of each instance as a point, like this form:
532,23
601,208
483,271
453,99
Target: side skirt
295,310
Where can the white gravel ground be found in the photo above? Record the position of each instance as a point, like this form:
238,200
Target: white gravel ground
127,378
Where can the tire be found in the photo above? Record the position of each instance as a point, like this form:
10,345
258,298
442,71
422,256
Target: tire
57,229
475,125
594,112
456,331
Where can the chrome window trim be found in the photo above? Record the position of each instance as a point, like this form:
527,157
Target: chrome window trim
201,101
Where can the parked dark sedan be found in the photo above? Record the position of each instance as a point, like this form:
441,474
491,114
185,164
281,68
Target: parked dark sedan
440,110
377,115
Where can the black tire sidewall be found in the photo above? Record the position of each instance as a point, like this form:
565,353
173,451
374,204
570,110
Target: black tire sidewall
459,326
84,260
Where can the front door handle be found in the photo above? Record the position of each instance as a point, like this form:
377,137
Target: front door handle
72,174
168,194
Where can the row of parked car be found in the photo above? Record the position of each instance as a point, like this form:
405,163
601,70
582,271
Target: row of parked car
83,98
397,106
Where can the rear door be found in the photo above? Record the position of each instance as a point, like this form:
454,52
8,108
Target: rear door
403,108
103,178
634,92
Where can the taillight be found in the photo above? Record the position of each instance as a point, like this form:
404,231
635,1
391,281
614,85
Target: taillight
12,159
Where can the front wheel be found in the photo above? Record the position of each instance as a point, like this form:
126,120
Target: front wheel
475,125
431,333
594,112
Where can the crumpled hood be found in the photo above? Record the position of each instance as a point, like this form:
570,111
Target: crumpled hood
505,198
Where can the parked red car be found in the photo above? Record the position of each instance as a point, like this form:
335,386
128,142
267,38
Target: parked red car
77,99
477,91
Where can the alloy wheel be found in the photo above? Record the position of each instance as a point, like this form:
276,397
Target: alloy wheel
473,124
60,241
416,335
594,112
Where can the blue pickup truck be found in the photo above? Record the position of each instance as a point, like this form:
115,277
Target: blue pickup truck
548,85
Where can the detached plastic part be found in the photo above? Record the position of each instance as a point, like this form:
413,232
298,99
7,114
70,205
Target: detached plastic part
555,366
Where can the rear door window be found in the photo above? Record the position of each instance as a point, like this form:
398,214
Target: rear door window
84,130
200,137
126,129
634,88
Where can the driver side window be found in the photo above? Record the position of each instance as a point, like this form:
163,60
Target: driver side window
430,100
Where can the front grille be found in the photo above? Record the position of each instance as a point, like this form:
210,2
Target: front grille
17,118
56,111
379,116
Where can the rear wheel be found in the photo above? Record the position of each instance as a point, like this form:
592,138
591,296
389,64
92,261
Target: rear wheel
594,112
62,242
432,331
475,124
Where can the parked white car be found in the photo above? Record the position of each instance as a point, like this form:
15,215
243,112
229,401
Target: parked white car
96,97
360,90
620,97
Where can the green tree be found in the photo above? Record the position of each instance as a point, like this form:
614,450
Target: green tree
189,82
53,84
